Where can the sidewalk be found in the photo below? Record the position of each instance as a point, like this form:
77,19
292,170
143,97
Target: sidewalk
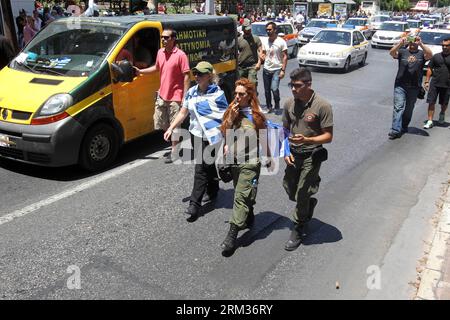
435,277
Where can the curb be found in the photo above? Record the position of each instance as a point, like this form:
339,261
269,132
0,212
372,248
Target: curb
433,273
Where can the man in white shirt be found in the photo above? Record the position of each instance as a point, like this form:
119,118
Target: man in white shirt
275,61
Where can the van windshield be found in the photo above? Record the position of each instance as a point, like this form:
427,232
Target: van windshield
69,49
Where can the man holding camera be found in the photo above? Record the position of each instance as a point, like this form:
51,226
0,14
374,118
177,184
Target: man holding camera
408,81
439,72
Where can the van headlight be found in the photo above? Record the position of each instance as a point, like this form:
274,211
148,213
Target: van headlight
375,36
397,38
336,55
56,104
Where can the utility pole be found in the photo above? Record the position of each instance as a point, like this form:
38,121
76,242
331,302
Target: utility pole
209,7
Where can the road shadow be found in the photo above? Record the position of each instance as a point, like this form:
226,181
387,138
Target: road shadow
135,150
317,231
417,131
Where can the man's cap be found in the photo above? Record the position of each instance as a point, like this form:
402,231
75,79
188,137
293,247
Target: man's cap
203,67
246,25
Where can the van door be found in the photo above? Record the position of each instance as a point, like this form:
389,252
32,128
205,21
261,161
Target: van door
134,102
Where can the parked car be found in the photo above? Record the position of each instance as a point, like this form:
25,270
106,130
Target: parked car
432,38
389,34
335,48
377,20
313,28
360,24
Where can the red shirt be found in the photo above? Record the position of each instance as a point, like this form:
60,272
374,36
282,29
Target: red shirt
172,66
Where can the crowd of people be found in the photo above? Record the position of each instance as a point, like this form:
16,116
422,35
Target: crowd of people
307,123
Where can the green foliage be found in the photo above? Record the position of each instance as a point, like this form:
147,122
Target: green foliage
179,4
395,5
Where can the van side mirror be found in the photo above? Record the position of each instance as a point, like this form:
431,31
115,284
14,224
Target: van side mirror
123,71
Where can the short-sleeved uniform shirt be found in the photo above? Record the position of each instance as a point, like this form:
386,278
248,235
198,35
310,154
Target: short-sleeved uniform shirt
307,119
172,66
440,65
274,54
410,68
248,50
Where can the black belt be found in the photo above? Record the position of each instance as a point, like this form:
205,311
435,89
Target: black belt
302,153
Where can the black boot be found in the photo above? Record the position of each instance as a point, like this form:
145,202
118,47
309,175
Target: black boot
193,211
312,205
229,244
296,237
250,219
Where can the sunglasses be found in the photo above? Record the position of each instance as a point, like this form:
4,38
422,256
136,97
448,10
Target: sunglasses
297,85
198,73
445,45
166,37
269,30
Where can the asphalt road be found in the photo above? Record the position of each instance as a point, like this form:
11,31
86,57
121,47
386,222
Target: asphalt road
126,232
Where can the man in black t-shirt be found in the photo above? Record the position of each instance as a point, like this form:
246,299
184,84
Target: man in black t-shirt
439,71
408,81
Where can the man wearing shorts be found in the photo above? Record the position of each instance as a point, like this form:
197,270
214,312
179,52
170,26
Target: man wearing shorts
438,70
173,66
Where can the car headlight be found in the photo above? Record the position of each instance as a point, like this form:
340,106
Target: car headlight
56,104
336,55
397,38
302,52
375,36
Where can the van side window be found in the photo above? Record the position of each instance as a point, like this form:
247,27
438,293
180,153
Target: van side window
141,49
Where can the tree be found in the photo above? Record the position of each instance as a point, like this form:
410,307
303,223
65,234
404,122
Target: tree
179,4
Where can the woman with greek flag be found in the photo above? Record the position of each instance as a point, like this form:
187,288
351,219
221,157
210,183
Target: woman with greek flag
243,126
206,105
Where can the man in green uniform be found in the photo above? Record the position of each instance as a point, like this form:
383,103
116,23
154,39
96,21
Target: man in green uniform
250,49
309,119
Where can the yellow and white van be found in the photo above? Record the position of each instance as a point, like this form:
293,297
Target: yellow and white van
66,99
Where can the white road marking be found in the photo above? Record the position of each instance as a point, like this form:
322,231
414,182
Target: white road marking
86,185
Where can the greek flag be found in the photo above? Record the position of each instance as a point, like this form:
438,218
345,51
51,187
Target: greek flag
209,109
277,141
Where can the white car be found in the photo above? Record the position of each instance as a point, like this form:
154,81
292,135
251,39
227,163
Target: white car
389,34
313,28
377,20
360,24
284,29
335,48
432,38
414,25
428,23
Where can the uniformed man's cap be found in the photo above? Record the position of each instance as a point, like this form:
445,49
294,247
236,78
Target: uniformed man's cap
247,25
203,67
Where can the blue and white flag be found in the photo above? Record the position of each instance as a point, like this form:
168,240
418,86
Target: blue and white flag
209,109
277,139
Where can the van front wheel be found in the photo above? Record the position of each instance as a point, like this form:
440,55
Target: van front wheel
99,147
